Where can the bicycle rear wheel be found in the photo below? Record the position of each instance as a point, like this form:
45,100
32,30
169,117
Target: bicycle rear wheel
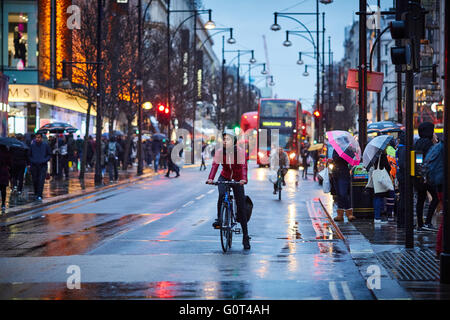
225,229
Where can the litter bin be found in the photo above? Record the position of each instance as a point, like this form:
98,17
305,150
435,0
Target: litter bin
361,197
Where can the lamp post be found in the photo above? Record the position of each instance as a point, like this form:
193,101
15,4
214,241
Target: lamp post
208,25
98,178
230,40
276,27
252,61
263,72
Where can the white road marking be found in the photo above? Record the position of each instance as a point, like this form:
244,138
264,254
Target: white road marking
210,191
199,197
187,204
347,293
333,290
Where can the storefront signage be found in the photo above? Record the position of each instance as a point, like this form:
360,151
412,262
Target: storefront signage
36,93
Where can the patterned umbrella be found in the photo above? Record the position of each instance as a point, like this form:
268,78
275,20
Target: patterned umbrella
374,148
345,145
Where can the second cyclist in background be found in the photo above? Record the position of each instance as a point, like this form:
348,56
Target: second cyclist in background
279,160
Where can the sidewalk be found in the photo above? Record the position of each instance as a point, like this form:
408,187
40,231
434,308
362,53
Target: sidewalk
57,190
415,271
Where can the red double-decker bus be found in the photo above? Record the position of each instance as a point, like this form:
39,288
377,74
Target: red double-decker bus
286,116
249,126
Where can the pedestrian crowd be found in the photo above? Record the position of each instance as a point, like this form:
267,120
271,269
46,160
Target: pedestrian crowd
387,180
55,157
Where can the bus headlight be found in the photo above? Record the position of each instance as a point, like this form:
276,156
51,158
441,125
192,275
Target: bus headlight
330,166
292,155
261,155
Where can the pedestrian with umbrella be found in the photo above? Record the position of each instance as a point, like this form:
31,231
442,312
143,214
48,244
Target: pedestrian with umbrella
375,160
346,151
5,167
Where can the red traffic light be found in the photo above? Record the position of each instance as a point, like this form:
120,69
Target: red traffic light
161,108
317,113
166,111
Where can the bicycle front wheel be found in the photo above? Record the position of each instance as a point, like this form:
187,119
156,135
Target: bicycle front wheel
279,190
225,229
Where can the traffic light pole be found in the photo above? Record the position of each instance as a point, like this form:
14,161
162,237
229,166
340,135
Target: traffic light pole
362,76
409,195
445,255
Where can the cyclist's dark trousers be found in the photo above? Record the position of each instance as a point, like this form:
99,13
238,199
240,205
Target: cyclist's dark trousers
239,195
422,189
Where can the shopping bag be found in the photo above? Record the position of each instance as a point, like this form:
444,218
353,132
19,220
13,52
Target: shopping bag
381,180
272,176
249,207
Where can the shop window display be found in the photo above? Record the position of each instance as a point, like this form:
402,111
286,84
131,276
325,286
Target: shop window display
18,40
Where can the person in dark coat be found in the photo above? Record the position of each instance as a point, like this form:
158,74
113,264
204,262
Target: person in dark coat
304,154
171,165
148,152
164,155
341,180
5,167
156,150
19,163
423,145
39,154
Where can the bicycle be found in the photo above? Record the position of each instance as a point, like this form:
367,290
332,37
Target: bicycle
227,216
279,182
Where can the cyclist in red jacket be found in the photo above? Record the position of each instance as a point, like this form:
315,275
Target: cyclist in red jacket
234,168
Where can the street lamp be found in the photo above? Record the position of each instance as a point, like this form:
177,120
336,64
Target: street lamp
209,25
300,61
147,105
271,83
306,73
275,26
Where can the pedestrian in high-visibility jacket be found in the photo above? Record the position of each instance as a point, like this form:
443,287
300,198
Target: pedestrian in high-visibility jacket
390,199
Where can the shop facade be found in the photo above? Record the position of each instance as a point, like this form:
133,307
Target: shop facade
32,106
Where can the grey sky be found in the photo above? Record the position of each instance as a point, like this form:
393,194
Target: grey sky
252,18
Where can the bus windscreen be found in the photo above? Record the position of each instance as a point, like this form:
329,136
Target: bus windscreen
278,109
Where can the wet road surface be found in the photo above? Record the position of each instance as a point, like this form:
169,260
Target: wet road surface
153,239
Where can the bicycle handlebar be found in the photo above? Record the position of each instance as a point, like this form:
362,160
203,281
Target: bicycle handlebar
216,183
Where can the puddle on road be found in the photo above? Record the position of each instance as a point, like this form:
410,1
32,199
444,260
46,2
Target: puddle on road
124,290
65,234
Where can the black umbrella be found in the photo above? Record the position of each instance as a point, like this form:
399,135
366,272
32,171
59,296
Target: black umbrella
384,127
159,136
13,143
57,127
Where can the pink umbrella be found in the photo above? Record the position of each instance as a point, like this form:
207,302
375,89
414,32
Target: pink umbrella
346,146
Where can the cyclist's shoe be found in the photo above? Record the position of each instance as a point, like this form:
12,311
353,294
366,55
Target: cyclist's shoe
217,224
274,191
284,183
246,242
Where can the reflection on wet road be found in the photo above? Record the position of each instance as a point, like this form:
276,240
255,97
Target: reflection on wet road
154,240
